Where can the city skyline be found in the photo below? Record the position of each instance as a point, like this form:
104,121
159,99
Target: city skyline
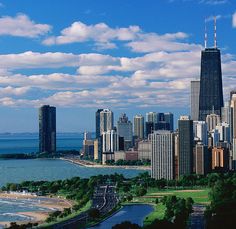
83,58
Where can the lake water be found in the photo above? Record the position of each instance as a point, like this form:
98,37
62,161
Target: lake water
135,213
29,142
51,169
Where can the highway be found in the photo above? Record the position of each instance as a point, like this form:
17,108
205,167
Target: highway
104,199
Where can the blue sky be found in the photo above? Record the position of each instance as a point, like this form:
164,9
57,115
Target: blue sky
131,56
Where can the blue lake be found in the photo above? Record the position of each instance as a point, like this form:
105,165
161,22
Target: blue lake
29,142
135,213
51,169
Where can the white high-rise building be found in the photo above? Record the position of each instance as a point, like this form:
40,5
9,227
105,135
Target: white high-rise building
212,120
224,131
200,132
106,120
194,100
151,117
163,155
225,113
139,126
233,129
109,145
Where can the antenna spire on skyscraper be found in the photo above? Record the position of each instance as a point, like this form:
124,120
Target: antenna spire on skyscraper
205,39
215,40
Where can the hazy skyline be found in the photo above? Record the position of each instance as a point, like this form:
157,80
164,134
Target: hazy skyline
129,56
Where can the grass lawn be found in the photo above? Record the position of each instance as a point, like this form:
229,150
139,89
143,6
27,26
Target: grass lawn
158,213
83,209
198,195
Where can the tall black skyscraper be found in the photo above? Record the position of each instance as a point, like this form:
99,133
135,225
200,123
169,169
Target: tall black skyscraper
185,154
98,134
211,93
47,129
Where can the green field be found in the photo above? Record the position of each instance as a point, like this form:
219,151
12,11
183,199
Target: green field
198,195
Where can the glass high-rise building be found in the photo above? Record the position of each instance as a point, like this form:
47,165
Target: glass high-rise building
106,120
185,152
97,119
47,129
194,100
139,126
211,93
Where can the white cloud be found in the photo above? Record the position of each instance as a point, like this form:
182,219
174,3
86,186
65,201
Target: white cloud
100,33
214,2
5,91
22,26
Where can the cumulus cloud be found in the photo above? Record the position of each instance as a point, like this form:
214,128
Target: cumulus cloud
22,26
100,33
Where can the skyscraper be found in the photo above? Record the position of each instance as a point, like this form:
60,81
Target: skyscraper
125,130
185,157
194,100
47,129
97,117
139,126
212,120
106,120
151,117
163,155
211,93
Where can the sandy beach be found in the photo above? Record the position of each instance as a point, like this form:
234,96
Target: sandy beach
51,203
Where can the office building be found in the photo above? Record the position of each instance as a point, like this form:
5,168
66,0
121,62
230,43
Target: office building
151,117
150,127
47,129
194,99
164,121
163,155
212,120
185,157
211,93
139,126
109,145
201,159
224,131
106,120
220,159
125,130
233,127
225,113
200,132
97,120
144,150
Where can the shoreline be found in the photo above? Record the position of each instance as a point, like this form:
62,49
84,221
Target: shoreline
38,216
90,164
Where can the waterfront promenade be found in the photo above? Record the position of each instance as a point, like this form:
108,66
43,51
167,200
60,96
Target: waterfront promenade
91,164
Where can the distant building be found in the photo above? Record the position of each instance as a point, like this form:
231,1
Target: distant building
185,157
97,120
225,113
96,150
151,117
233,127
163,155
220,159
106,120
164,121
131,155
200,131
224,131
144,150
212,120
47,129
109,145
201,159
194,100
125,130
139,126
150,127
